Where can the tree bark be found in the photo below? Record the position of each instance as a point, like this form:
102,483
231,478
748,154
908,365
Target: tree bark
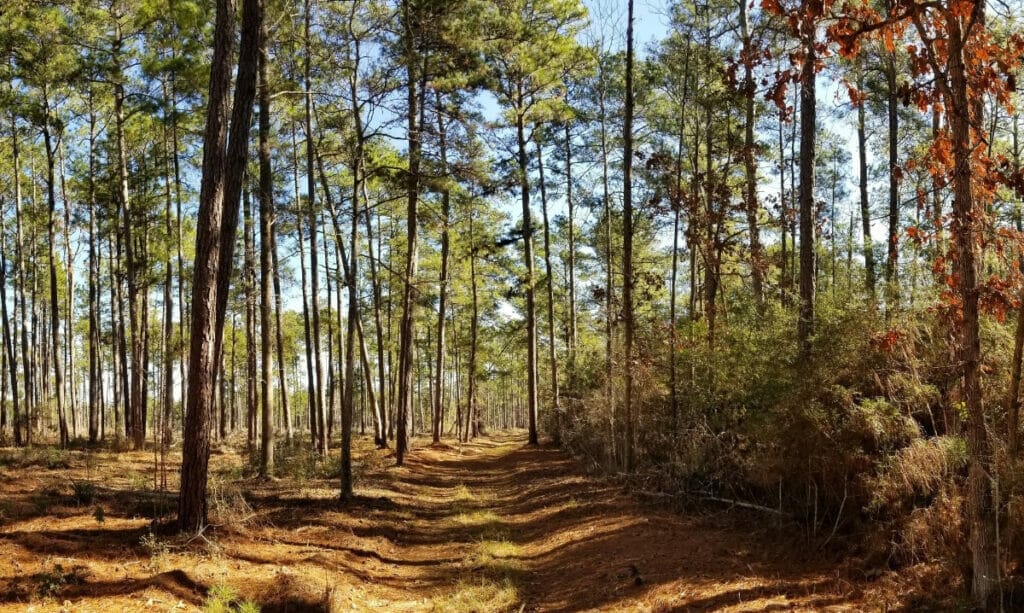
51,199
570,207
808,132
381,423
412,185
8,341
471,409
133,414
314,265
865,205
446,206
1013,397
279,336
892,258
266,245
556,410
249,292
311,407
528,280
215,237
749,166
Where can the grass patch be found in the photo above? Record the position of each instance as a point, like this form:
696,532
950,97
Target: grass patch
492,576
225,599
480,594
496,558
497,549
39,457
483,518
461,496
468,502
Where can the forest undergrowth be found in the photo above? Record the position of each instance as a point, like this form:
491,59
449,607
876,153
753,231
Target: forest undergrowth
862,453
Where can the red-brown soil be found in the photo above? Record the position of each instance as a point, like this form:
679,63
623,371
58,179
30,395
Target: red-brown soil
489,526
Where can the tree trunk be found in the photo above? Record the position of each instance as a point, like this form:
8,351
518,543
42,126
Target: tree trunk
279,335
865,206
627,247
963,112
380,433
471,409
134,395
892,259
556,410
8,341
446,206
215,238
310,380
808,131
51,199
122,401
1013,397
95,383
570,206
168,337
412,185
266,245
528,281
314,266
609,315
749,167
69,300
11,361
784,276
249,291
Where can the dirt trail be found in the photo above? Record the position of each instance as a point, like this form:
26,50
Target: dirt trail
491,526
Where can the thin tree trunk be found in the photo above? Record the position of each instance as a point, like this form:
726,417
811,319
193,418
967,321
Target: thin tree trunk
310,382
266,246
808,132
279,336
11,361
380,434
412,185
443,280
314,266
19,280
749,165
528,280
352,273
552,355
249,291
182,307
892,259
609,316
1013,397
168,357
69,300
783,219
865,206
137,428
51,198
570,206
95,382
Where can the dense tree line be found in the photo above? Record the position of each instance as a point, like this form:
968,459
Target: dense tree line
333,230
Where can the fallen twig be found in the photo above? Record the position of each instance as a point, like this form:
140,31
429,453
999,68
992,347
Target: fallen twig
710,498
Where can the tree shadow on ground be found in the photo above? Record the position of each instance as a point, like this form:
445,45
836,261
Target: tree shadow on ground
490,512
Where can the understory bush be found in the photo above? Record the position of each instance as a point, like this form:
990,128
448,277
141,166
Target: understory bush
860,444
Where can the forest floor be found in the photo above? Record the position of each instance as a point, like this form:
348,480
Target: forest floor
489,526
